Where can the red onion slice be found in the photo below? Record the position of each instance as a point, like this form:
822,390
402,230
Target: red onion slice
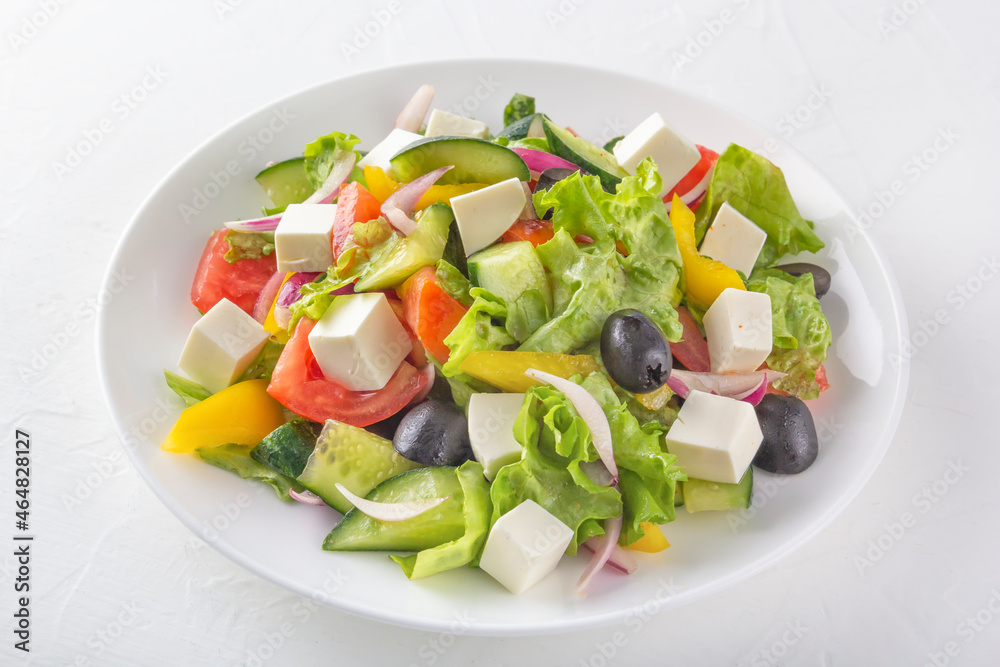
755,396
733,385
390,511
697,191
400,221
677,385
528,212
540,160
591,412
620,559
412,115
290,291
331,186
398,207
267,296
605,546
306,497
268,224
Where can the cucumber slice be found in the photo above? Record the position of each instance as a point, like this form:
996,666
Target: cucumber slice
353,457
404,256
513,272
529,126
585,155
701,495
475,161
288,447
286,182
436,526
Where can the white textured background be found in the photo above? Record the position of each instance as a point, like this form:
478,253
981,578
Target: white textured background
118,580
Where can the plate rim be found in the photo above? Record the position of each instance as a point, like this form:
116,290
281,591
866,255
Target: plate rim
559,626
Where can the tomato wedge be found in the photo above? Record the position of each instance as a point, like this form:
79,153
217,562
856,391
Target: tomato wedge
299,385
241,282
417,356
535,231
692,351
430,311
693,177
355,204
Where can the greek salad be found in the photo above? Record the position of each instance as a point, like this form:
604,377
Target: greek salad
497,350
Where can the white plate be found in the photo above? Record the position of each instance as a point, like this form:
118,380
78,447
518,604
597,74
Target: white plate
143,327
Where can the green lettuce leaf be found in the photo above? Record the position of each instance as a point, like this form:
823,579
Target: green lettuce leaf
481,328
236,458
189,390
248,245
518,107
321,155
316,297
467,549
756,188
801,332
531,143
263,365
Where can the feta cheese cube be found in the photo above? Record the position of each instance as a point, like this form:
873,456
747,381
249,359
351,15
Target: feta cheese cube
442,123
738,329
714,437
491,430
303,240
524,546
675,155
379,156
359,342
221,345
484,215
733,239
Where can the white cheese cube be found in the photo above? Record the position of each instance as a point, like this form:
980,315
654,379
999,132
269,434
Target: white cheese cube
675,155
733,239
738,329
303,239
442,123
491,430
359,342
379,156
524,546
484,215
714,437
221,345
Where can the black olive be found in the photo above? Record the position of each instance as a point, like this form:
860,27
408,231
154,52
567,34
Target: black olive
821,277
790,442
635,352
434,433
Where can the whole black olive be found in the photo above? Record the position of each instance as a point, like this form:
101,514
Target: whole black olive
821,277
790,442
635,352
434,433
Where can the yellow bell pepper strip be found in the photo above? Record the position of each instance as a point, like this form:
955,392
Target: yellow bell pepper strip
241,414
505,370
652,541
381,185
705,278
270,324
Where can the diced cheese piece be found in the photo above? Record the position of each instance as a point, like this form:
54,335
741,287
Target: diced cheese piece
221,345
675,155
714,437
396,141
733,239
484,215
524,546
491,430
738,329
359,342
302,241
442,123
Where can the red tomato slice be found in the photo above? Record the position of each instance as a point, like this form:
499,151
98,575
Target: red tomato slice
535,231
241,282
355,204
693,177
430,311
692,351
299,385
